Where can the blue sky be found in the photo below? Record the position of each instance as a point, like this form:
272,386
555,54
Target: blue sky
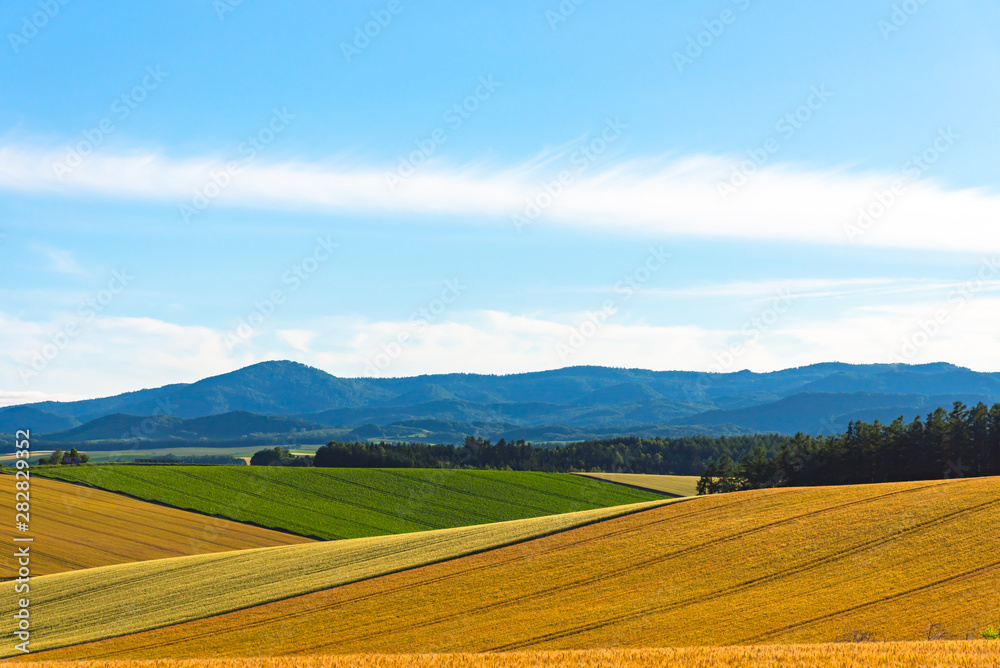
196,186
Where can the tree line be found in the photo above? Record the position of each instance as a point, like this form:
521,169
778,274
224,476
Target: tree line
677,456
964,442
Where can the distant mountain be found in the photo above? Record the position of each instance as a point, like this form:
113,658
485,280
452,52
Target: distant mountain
225,427
828,413
38,421
563,404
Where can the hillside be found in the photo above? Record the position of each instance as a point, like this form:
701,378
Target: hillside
351,503
893,561
83,606
78,527
574,403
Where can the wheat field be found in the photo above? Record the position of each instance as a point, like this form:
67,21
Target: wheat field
77,527
83,606
899,561
675,485
939,654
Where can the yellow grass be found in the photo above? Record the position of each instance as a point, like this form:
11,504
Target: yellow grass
898,562
941,654
78,527
677,485
82,606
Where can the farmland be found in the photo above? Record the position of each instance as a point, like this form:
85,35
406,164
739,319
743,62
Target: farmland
897,561
674,485
967,654
82,606
78,527
354,503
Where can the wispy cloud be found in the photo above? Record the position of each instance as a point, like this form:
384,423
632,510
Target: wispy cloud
665,197
62,261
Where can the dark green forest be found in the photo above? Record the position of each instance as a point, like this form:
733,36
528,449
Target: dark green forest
680,456
964,442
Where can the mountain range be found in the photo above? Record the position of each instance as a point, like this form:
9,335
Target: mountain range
283,399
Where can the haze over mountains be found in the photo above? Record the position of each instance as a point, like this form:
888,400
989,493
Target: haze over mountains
304,404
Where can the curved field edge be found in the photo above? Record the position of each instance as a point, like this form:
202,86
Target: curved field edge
99,603
898,562
674,485
335,504
77,527
967,654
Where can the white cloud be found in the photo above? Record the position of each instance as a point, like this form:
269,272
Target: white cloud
105,356
118,354
659,197
299,339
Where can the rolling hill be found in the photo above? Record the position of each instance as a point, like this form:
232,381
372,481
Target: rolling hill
893,561
351,503
78,527
84,606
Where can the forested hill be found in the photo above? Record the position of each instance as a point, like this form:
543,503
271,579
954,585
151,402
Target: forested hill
573,403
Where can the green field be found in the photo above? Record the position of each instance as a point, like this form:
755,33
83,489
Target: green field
355,503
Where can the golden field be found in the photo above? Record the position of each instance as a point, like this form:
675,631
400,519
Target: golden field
941,654
77,527
82,606
895,562
676,485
